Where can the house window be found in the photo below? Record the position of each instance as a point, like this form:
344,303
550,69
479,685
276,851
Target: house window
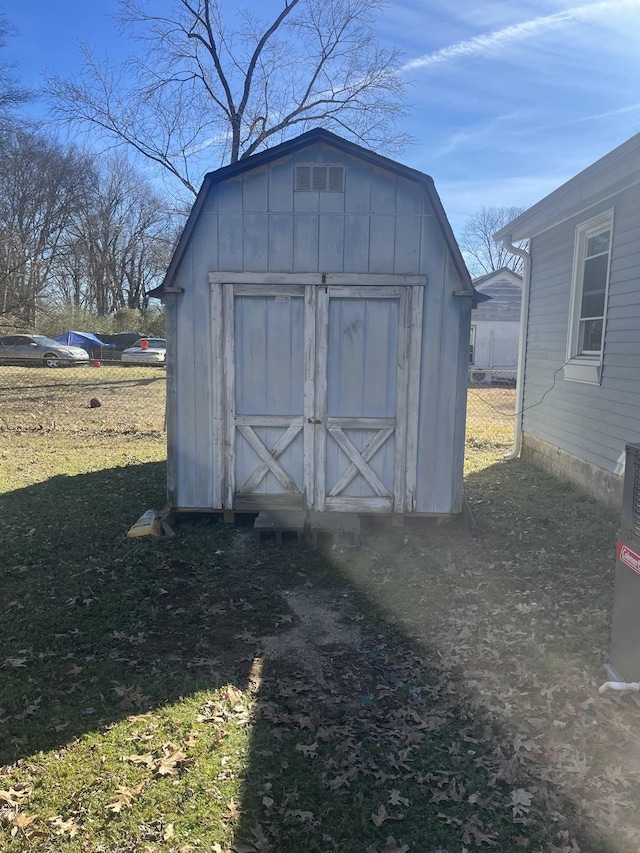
589,289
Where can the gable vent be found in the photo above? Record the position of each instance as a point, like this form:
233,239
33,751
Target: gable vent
320,179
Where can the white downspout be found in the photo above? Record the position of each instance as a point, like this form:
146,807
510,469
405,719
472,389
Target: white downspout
522,342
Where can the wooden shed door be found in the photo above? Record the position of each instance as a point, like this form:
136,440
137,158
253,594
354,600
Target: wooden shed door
362,398
316,396
266,381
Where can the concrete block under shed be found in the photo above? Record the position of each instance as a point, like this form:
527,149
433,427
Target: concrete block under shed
337,528
279,526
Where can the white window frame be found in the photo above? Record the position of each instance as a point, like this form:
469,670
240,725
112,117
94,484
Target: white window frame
586,367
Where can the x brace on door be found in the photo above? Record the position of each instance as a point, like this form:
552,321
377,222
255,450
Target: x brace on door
359,460
269,458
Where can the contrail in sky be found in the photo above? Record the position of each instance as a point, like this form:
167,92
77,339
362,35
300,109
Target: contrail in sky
489,42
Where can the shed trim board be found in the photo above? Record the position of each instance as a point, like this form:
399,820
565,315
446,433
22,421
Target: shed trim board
302,279
354,439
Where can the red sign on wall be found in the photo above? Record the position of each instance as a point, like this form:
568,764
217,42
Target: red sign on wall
628,557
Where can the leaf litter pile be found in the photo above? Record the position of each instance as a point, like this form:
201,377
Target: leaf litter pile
429,691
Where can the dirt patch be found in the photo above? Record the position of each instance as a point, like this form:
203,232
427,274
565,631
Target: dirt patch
322,626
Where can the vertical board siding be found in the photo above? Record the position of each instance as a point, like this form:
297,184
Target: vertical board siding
256,222
281,243
255,242
375,226
406,244
187,392
305,240
361,381
230,242
255,192
174,455
356,243
449,450
269,380
269,351
331,248
434,376
280,179
592,422
362,357
381,245
383,193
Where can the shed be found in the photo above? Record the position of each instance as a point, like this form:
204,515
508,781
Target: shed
317,321
495,328
579,387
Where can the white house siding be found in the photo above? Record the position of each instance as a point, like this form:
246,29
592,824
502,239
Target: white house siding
255,222
496,344
497,322
591,422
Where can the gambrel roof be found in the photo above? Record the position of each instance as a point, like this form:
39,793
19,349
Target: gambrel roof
291,146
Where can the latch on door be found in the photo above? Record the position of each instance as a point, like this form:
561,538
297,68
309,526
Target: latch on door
314,421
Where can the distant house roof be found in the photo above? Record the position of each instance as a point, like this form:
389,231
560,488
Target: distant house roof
504,273
503,287
305,140
616,171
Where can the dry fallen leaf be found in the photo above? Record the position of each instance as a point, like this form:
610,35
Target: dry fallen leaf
382,815
166,766
63,827
395,799
390,846
20,822
16,795
15,663
125,798
147,759
521,802
308,750
233,810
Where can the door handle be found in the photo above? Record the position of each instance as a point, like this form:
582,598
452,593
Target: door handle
314,421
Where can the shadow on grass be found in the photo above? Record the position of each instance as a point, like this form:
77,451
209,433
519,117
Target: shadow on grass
98,626
400,691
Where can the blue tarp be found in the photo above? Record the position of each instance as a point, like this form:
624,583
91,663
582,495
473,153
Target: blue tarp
86,340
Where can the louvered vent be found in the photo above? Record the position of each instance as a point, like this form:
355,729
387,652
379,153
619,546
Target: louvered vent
320,179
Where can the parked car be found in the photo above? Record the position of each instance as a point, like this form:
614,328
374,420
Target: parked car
39,350
146,351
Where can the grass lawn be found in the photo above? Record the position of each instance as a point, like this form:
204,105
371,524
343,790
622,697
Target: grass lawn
427,692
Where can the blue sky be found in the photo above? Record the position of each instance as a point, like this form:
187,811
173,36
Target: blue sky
508,99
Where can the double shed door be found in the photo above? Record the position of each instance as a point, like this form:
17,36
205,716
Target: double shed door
320,396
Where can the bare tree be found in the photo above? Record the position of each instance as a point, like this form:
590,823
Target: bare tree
12,94
481,252
116,245
205,92
39,192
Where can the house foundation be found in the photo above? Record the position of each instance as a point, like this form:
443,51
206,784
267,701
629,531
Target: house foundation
602,485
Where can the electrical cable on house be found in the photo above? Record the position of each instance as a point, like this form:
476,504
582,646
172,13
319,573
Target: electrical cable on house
526,408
